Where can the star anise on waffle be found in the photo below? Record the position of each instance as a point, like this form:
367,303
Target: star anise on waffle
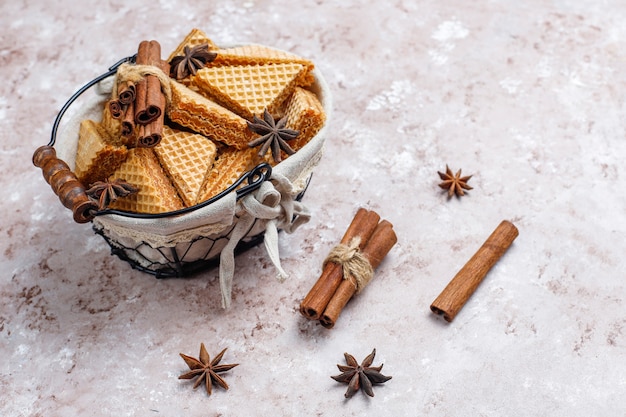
454,183
360,376
195,58
206,370
274,135
107,191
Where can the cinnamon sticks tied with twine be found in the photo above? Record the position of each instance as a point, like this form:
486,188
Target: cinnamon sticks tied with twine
349,267
140,101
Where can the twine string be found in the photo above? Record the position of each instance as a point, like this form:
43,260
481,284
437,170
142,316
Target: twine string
137,72
356,268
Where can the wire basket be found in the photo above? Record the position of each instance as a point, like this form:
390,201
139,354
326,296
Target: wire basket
183,242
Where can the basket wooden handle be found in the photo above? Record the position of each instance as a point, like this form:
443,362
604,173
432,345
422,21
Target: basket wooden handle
64,183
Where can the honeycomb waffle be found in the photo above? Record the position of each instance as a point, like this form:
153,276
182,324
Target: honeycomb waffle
194,38
249,89
156,192
186,158
208,118
304,113
230,165
96,157
260,55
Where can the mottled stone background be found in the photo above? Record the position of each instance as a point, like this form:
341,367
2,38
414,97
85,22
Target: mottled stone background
526,96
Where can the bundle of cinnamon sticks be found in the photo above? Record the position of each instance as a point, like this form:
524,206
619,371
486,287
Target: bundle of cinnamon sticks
141,104
367,239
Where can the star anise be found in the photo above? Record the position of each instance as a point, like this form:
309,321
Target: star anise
107,191
206,370
363,375
195,58
454,183
274,135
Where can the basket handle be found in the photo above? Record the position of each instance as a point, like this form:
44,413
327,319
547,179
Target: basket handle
64,183
57,173
112,70
255,177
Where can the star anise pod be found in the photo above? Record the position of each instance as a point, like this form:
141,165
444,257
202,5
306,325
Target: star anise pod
195,58
454,183
363,375
206,370
274,135
107,191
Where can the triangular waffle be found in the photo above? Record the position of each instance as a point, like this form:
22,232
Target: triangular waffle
156,192
259,55
305,114
186,157
194,38
230,165
208,118
249,89
96,157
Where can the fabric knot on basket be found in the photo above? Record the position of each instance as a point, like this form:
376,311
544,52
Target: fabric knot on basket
274,204
136,73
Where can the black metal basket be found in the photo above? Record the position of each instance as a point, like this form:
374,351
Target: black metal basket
183,258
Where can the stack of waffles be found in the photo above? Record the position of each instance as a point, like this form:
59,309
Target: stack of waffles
205,141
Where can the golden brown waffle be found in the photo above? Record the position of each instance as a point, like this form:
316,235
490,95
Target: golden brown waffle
194,38
186,158
156,192
208,118
249,89
304,113
96,157
260,55
230,165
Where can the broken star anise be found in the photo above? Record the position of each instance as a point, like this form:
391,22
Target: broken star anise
363,375
274,135
454,183
195,58
107,191
206,370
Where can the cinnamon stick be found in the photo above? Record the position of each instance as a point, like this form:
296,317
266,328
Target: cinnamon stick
379,244
465,282
361,227
128,122
150,134
127,92
149,101
115,108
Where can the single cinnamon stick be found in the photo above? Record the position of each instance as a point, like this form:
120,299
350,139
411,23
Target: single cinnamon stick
115,108
378,246
465,282
149,99
127,92
128,122
150,134
362,227
141,88
64,183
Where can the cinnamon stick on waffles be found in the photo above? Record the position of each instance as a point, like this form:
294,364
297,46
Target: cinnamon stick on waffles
361,228
127,92
149,99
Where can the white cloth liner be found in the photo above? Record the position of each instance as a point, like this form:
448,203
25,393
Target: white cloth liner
272,206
